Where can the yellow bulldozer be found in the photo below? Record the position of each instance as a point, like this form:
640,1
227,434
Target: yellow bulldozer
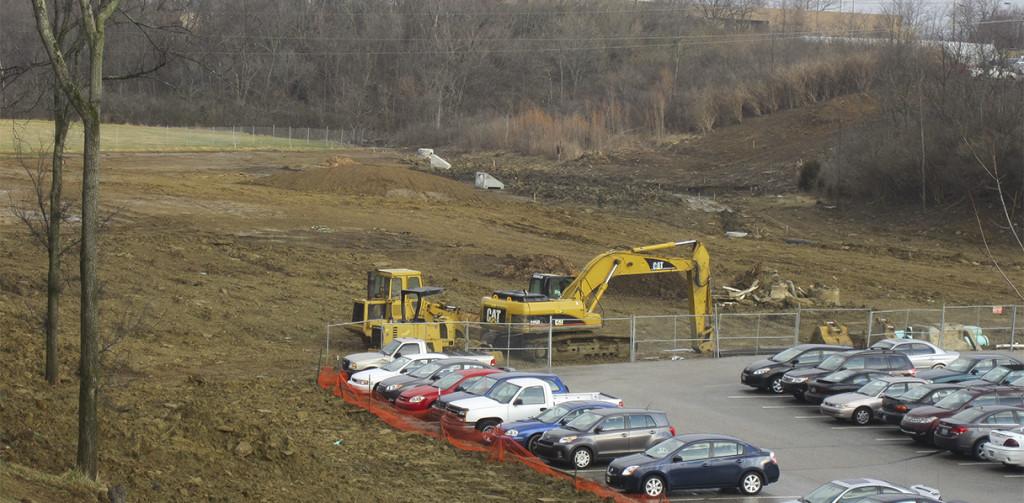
571,304
395,306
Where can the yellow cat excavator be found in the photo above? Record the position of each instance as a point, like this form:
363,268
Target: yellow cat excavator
572,306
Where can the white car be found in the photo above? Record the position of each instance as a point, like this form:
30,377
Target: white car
1005,446
364,380
923,354
842,491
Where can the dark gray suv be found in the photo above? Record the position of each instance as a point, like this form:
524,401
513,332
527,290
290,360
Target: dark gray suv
604,434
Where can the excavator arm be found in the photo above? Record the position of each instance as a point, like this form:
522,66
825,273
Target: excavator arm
591,284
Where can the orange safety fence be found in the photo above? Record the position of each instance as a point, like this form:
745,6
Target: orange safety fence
450,429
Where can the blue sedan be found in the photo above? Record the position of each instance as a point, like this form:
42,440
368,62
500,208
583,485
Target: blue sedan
528,431
695,461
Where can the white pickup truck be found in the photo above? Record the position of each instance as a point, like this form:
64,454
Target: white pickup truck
356,362
514,400
364,380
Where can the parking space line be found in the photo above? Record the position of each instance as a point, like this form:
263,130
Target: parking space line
861,427
737,498
972,463
743,397
591,470
1012,476
819,416
927,452
897,439
787,406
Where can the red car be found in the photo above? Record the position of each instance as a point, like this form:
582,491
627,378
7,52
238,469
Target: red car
421,397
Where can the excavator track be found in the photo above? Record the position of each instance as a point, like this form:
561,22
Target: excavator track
566,346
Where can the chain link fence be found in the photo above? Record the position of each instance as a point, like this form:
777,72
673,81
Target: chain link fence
636,338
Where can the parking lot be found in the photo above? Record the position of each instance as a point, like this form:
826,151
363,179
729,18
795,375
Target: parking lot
704,395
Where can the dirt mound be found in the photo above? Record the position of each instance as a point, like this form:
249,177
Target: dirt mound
524,266
343,175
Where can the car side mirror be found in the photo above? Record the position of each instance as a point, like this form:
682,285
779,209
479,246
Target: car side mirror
434,377
518,401
563,421
598,429
677,459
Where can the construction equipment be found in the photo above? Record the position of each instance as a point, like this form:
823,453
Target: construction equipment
835,334
573,313
395,307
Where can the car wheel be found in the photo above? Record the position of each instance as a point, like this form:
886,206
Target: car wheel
582,458
486,425
978,451
654,486
531,444
862,416
939,366
751,483
775,386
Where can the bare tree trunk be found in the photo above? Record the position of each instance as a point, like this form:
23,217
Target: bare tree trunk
94,26
53,244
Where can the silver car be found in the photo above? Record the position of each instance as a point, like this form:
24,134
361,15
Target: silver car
864,404
924,355
855,489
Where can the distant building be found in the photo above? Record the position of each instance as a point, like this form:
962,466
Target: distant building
827,22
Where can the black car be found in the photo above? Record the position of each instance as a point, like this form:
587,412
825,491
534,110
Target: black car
390,388
767,374
835,383
1001,375
695,461
968,367
895,407
891,362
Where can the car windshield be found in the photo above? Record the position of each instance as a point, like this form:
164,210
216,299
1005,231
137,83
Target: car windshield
390,348
480,387
448,381
553,414
787,355
664,448
995,375
503,392
583,422
833,362
914,394
961,365
426,370
840,376
396,365
954,400
883,345
1018,381
873,388
968,416
824,494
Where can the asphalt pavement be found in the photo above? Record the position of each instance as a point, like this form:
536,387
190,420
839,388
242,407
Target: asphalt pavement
704,395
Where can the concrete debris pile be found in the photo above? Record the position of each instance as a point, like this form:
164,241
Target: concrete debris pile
757,287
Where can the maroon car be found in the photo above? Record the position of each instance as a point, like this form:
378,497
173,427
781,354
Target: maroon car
920,423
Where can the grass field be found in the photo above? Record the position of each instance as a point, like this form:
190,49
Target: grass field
37,135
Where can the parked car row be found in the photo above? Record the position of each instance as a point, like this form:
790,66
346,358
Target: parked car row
537,410
957,405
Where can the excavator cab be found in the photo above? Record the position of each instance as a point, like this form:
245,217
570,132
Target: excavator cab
549,285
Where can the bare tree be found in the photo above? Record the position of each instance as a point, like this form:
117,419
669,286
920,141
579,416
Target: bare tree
93,20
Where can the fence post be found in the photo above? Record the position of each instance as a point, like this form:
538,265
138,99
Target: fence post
675,332
757,335
508,342
465,333
1013,329
234,139
327,135
796,328
942,326
632,338
289,136
716,322
871,326
551,333
307,136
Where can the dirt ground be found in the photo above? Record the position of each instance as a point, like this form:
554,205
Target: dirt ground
220,270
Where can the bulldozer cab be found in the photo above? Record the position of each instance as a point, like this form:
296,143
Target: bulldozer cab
549,285
384,299
417,302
